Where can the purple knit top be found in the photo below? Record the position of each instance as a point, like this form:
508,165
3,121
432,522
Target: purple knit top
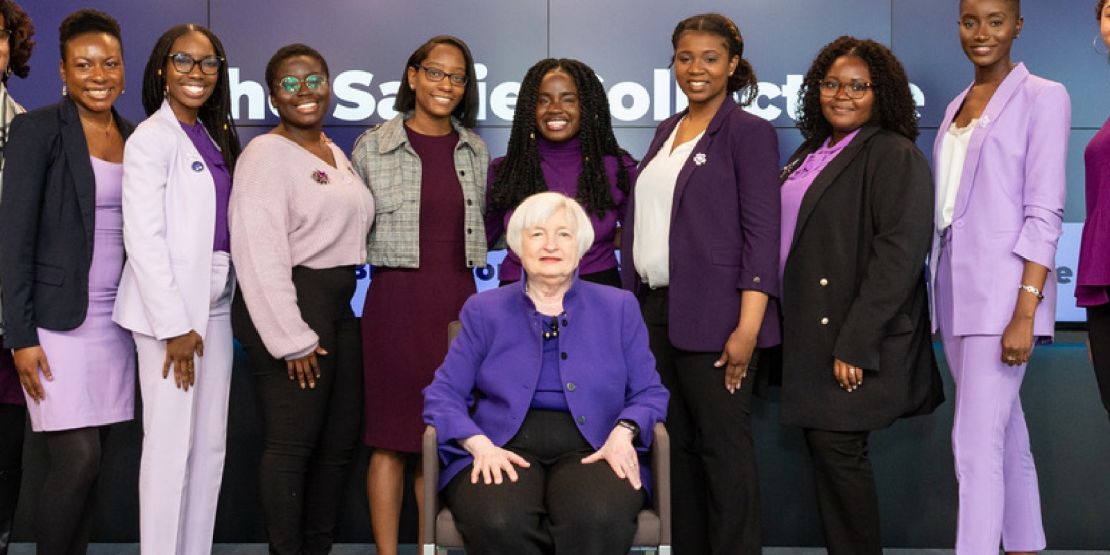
561,164
220,176
795,187
1092,283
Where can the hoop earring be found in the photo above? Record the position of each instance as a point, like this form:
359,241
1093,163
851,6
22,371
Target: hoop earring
1094,46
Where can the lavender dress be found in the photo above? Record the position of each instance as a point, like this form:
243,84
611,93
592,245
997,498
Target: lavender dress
94,364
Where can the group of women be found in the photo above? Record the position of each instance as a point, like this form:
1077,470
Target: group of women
168,240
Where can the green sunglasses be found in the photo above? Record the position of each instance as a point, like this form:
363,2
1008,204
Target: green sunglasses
292,85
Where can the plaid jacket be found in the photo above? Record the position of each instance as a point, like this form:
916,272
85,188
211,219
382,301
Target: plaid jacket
386,161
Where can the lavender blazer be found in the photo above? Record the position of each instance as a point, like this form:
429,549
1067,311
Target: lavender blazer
487,382
724,229
1010,204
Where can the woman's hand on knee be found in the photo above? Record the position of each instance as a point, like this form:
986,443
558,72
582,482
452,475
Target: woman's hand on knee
180,355
28,362
620,454
490,461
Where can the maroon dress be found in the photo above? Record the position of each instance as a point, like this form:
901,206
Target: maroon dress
404,321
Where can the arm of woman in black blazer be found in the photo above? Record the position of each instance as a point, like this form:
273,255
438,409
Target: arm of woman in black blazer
27,162
901,197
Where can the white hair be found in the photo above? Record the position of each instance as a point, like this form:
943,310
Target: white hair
539,208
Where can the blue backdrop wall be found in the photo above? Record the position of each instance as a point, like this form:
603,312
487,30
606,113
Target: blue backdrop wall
628,42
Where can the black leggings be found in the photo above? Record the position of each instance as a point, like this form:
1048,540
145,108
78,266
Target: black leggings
65,505
310,434
1098,326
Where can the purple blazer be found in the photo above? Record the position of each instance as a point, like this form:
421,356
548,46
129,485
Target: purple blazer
1010,204
724,229
487,382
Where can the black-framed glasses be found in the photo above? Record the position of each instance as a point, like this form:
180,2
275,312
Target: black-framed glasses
854,89
437,75
292,85
183,63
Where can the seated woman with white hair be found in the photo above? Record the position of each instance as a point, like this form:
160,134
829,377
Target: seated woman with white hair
545,404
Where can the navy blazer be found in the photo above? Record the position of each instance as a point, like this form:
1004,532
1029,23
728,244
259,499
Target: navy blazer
47,216
724,229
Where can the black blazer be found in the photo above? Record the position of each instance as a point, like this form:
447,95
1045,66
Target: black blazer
854,288
46,222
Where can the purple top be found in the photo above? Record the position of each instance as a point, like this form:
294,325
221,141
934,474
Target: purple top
1093,281
795,187
561,164
221,177
489,378
549,389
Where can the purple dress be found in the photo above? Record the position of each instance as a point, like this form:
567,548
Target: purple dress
93,364
404,320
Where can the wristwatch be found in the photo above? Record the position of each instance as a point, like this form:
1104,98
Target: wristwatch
631,425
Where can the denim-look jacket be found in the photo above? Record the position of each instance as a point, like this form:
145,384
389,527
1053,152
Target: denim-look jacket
386,161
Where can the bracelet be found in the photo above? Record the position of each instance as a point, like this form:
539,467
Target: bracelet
630,426
1032,290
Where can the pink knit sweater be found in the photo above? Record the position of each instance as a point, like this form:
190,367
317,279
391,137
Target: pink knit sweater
290,208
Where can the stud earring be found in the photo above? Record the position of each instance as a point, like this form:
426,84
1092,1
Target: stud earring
532,135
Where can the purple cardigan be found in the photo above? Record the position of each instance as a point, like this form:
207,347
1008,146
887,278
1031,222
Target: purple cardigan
724,229
1094,253
486,383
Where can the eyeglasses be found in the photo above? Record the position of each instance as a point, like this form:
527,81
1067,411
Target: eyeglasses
183,63
292,85
855,89
437,75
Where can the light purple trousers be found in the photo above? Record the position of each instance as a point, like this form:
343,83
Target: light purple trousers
999,499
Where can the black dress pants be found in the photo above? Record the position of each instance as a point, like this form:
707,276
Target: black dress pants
310,434
1098,333
714,483
12,424
846,493
557,506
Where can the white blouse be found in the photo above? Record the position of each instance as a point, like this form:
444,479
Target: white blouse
950,167
654,197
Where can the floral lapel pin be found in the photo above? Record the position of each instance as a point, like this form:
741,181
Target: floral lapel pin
320,177
699,159
984,121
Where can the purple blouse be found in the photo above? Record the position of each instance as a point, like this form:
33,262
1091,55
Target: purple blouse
561,164
795,187
1093,280
549,389
220,176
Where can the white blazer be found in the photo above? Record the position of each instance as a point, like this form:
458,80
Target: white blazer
169,220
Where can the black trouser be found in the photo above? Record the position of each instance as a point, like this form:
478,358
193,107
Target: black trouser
610,277
310,434
714,483
558,505
846,493
1098,334
12,423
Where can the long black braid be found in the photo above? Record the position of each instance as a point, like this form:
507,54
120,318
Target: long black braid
519,174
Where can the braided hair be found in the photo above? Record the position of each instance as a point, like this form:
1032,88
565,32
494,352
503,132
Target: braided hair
519,176
215,113
894,109
743,79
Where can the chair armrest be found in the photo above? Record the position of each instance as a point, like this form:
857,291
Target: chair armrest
661,480
430,462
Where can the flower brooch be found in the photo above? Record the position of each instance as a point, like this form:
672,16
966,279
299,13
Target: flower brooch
699,159
320,177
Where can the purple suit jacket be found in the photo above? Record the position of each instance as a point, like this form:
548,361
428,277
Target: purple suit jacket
724,229
1010,204
487,382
